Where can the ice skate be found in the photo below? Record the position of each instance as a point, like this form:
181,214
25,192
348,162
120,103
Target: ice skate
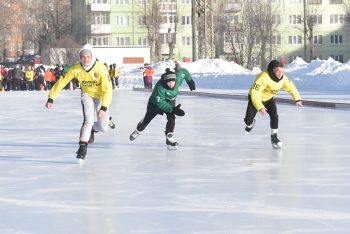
111,124
276,143
81,153
171,142
134,135
250,127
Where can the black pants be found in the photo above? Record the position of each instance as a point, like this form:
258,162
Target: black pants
271,107
153,111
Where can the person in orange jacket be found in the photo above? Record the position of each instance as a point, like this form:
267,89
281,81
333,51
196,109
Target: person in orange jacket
148,76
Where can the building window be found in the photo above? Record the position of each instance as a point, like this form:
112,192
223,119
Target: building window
186,41
141,20
122,20
295,19
276,19
186,20
318,40
100,40
169,17
186,2
276,40
336,2
167,6
142,2
99,1
294,40
336,39
315,2
123,41
336,19
165,38
122,2
142,41
338,58
294,1
317,19
101,17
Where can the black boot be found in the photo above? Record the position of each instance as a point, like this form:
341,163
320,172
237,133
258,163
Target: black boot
111,124
276,143
250,127
81,153
92,136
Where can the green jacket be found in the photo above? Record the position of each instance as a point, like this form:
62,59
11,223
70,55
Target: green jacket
163,97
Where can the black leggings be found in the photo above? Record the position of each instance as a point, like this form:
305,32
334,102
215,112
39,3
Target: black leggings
153,111
271,109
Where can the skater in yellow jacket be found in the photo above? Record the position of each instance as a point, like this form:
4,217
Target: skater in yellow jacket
260,98
96,95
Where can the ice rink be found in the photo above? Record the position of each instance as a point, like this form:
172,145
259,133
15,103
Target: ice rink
219,181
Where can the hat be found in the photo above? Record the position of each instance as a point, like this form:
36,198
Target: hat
169,77
87,48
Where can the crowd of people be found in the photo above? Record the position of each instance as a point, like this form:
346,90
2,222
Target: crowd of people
39,77
29,77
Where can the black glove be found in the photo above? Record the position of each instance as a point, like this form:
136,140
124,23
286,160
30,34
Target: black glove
192,85
178,111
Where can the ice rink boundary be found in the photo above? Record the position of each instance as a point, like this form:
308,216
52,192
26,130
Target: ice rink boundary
309,103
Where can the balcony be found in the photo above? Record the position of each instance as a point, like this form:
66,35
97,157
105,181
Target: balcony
100,7
101,28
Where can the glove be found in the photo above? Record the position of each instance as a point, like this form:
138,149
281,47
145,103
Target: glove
178,111
191,84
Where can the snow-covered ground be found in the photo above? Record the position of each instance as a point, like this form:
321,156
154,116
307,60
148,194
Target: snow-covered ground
219,181
318,76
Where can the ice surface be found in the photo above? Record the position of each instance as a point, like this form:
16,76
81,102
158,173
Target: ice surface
219,181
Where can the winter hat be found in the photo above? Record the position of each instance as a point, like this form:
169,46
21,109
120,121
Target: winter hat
87,48
169,76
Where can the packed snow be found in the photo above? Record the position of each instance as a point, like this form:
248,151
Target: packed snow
318,76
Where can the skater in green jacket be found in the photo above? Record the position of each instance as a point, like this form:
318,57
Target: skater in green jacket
162,100
183,74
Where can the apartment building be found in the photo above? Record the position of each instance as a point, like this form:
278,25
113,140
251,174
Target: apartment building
121,23
326,29
329,29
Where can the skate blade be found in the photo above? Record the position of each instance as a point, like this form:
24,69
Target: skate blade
277,146
80,162
170,147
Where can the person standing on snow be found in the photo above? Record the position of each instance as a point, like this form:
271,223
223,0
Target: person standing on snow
162,100
148,76
260,98
183,74
96,95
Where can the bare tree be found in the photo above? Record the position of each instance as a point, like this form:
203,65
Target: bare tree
53,22
5,23
311,16
248,28
153,19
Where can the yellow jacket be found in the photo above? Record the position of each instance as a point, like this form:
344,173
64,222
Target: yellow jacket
95,82
29,75
264,88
